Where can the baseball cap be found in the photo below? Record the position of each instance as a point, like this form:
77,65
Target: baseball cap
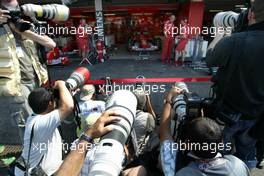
181,85
87,92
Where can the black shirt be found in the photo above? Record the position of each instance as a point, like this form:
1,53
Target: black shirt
245,91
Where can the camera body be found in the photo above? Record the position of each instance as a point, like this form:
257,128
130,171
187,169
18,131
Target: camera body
190,105
198,106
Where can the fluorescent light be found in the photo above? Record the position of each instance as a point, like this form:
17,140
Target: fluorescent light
240,5
109,14
216,10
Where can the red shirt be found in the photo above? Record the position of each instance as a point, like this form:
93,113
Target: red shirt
81,32
168,29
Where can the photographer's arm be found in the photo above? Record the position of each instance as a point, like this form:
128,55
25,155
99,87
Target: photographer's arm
164,124
66,101
72,165
165,119
150,107
40,39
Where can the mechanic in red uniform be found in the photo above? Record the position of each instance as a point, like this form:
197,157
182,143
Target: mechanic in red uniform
184,38
82,39
169,39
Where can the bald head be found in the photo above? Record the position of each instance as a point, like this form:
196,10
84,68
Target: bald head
257,9
172,18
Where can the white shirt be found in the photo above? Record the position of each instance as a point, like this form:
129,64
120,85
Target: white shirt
88,107
90,111
46,142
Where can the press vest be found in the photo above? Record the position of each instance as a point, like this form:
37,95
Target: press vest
10,75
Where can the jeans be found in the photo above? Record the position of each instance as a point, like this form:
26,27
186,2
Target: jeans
14,111
245,146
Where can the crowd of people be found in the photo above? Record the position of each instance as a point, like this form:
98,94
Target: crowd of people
227,143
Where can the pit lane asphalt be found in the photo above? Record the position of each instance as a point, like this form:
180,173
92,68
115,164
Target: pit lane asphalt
131,68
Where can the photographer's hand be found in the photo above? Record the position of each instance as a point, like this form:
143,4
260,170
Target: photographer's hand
100,127
173,92
4,16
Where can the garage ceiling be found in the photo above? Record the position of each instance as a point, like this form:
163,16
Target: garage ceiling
210,4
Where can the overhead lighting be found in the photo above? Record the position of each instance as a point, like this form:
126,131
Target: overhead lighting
216,10
137,14
240,6
109,14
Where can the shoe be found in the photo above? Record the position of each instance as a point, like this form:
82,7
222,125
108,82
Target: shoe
260,164
177,63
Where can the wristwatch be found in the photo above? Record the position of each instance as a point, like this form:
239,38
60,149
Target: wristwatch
86,138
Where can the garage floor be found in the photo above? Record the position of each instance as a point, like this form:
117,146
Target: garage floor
123,65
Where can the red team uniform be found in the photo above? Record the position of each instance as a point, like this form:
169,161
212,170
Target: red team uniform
183,38
168,41
82,38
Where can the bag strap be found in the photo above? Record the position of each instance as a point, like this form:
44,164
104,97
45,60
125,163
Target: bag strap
29,150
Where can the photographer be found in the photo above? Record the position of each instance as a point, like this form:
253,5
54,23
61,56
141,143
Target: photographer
204,161
20,73
239,86
42,150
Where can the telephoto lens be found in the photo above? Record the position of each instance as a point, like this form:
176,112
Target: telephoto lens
55,12
226,19
179,106
179,103
78,78
68,2
109,155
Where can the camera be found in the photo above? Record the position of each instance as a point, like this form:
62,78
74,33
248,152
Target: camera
55,12
226,19
188,106
109,155
78,78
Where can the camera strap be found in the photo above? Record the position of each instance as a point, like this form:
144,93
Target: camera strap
76,110
29,150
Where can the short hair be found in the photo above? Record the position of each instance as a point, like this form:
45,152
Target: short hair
257,8
39,100
204,131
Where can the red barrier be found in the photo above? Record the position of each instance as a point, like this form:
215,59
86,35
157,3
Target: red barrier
152,80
